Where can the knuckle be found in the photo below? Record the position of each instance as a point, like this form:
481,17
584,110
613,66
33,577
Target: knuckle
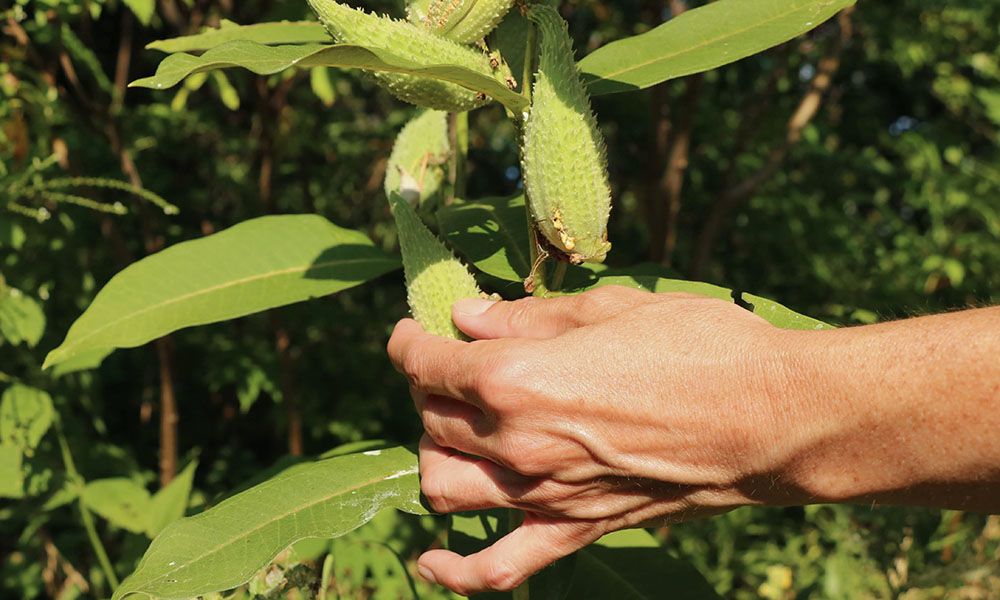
433,489
436,430
521,312
415,367
522,457
502,576
498,372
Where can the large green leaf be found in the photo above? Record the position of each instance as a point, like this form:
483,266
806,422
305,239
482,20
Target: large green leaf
701,39
21,317
224,546
630,565
265,60
491,233
26,414
283,32
253,266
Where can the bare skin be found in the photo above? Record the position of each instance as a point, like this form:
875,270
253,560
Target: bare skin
617,408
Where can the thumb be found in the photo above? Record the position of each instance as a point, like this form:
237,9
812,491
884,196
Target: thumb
506,564
526,318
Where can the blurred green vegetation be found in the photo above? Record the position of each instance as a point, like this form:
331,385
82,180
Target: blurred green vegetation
852,174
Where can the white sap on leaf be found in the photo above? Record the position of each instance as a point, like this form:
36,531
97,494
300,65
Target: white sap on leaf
373,453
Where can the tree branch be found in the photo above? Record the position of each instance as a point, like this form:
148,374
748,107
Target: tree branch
807,109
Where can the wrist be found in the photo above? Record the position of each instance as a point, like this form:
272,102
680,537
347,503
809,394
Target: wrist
898,413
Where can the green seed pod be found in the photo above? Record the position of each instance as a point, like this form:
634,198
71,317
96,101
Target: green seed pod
350,26
563,154
416,11
416,165
464,21
435,279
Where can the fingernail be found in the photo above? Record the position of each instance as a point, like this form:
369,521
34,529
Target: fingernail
472,307
426,574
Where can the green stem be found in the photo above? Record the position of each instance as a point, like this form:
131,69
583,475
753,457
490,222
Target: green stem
558,276
85,516
461,153
458,138
528,82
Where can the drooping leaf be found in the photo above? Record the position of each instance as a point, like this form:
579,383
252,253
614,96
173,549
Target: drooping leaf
266,60
26,414
224,546
630,565
782,316
271,34
21,317
121,501
649,277
492,233
85,361
169,503
770,311
253,266
701,39
322,86
142,9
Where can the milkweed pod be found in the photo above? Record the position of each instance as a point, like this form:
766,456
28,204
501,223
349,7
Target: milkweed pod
464,21
417,44
435,279
415,169
416,11
563,155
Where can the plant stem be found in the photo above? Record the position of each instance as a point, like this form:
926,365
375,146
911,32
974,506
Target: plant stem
85,516
458,138
461,153
558,276
528,82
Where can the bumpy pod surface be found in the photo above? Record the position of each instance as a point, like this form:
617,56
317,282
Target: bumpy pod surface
464,21
351,26
563,155
416,165
435,279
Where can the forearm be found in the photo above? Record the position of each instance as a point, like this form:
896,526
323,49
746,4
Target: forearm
899,413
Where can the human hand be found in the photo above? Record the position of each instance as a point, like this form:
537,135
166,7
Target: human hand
592,413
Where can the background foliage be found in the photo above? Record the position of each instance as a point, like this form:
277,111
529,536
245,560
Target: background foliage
851,174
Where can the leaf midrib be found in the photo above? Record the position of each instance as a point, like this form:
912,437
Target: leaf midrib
712,41
275,520
215,288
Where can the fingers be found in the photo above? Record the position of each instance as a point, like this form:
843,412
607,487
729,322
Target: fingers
506,564
542,318
452,482
529,317
434,365
456,424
